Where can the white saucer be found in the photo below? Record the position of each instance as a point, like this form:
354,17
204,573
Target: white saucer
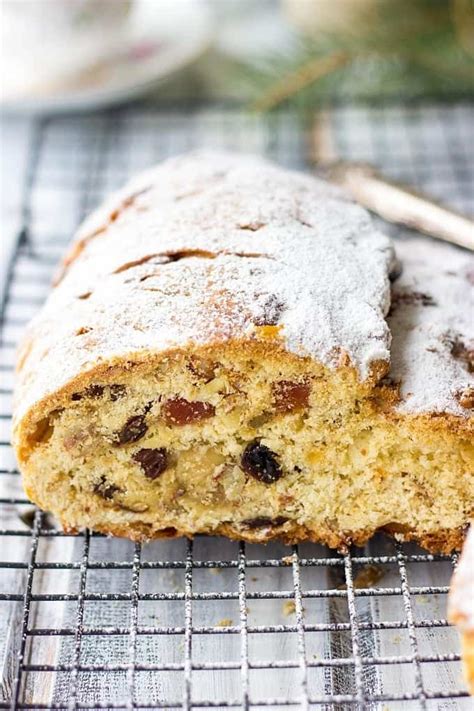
159,45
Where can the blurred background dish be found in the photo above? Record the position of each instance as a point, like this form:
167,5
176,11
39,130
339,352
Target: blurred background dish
68,55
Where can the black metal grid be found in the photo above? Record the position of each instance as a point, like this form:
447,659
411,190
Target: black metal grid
91,622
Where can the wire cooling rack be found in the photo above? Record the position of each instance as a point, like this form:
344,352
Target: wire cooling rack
88,622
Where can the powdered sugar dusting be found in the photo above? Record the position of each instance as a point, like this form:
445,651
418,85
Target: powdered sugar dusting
432,311
200,250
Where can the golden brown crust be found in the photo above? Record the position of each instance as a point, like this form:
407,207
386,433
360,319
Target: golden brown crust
442,542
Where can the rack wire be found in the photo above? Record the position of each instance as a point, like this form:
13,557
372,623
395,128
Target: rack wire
89,622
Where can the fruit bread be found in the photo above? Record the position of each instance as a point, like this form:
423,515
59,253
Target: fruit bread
218,356
461,606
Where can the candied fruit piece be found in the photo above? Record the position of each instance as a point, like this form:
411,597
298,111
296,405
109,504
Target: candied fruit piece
133,430
289,396
152,461
179,411
268,332
261,463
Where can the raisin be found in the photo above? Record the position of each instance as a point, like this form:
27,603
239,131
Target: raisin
462,353
105,489
152,461
117,391
271,312
261,463
93,391
263,522
179,411
133,430
289,396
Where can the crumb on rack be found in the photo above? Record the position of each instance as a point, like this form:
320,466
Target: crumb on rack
289,608
368,576
225,622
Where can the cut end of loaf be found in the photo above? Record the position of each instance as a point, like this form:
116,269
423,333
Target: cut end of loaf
250,442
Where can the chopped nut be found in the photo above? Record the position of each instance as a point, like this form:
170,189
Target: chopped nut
202,369
75,438
105,489
260,420
134,508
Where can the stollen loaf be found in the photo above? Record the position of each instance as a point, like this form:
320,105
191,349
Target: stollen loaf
233,348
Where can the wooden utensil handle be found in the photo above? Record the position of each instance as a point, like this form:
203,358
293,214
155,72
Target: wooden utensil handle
402,205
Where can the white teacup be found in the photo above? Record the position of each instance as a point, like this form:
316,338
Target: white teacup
49,44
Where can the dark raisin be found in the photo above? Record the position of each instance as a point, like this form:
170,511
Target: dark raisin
261,463
262,522
117,391
152,461
271,312
105,489
93,391
133,430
